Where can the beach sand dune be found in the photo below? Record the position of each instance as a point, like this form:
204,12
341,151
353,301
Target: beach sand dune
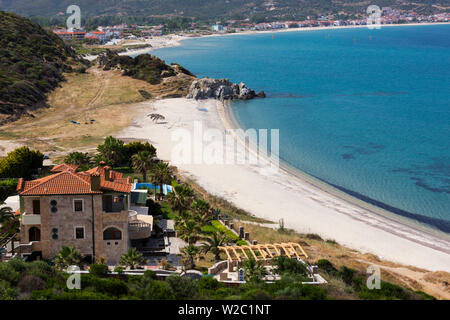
304,205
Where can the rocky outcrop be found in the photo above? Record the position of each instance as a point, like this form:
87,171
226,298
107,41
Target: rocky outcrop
221,89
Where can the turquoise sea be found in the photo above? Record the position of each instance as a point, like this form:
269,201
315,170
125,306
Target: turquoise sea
367,111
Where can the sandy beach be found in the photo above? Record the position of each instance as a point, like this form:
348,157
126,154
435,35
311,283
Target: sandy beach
304,205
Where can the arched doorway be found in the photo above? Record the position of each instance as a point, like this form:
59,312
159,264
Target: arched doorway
112,234
34,234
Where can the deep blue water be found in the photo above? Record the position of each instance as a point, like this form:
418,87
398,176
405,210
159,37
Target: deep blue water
364,110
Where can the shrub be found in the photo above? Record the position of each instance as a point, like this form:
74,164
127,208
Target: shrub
302,292
387,291
182,287
150,274
6,292
256,294
21,163
119,270
241,243
285,264
157,290
326,266
346,274
7,273
99,270
145,94
314,236
40,269
29,283
208,283
7,188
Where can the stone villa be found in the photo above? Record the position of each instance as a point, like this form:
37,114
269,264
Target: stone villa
89,210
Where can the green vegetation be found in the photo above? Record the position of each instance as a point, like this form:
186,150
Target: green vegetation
355,283
142,163
116,153
77,158
103,12
132,259
143,67
39,280
32,61
21,163
216,226
7,188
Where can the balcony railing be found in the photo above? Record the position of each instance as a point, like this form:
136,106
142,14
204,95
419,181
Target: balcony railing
28,219
139,230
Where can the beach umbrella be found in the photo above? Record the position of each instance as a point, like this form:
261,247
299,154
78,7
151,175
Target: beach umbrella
156,117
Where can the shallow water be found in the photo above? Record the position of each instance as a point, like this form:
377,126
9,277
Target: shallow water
364,110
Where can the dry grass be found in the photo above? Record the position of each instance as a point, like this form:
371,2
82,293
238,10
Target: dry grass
104,96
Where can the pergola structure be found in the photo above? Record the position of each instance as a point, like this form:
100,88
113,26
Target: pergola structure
264,251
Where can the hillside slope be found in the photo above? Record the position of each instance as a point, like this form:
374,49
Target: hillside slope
32,61
212,9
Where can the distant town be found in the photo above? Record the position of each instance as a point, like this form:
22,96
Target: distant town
111,34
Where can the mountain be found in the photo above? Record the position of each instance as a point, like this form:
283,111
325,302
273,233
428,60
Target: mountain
214,9
32,62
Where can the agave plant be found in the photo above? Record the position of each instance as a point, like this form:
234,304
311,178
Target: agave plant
213,242
132,259
68,256
189,254
254,270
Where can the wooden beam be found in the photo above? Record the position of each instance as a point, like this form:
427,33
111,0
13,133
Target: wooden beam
254,255
236,253
243,251
226,251
301,249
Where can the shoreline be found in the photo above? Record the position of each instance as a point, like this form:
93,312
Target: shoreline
174,40
230,122
305,206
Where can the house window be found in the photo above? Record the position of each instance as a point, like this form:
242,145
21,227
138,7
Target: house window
78,205
79,233
112,234
36,206
34,234
55,233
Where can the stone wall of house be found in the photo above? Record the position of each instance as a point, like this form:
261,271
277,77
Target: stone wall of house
66,219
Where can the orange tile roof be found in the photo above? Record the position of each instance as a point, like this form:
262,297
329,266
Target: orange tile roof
64,167
70,182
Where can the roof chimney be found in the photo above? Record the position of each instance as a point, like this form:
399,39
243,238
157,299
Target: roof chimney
95,182
107,173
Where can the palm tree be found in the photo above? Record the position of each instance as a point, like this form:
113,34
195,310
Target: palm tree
189,231
213,242
6,215
202,210
132,259
189,254
161,174
181,196
78,158
68,256
142,162
8,221
254,270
